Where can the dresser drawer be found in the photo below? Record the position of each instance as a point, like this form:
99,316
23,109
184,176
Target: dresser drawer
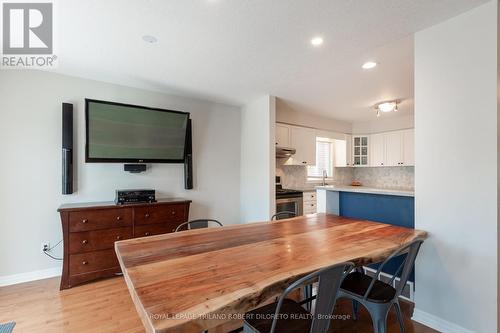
154,229
309,196
99,219
87,241
160,214
92,261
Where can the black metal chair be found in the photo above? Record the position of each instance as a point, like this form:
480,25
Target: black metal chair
377,296
283,215
288,316
197,224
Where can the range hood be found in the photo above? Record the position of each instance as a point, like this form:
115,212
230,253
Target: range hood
283,152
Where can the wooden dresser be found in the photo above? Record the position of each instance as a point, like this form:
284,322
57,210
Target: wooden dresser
91,229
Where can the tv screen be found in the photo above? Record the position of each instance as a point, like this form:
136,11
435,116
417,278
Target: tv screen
130,133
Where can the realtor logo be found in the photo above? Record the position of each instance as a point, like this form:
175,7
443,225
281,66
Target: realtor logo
27,30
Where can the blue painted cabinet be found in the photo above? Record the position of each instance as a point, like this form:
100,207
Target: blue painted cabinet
390,209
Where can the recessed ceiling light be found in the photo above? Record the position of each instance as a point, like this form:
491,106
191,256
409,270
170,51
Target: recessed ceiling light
317,41
369,65
149,39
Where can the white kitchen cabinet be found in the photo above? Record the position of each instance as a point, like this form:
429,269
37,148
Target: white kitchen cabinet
408,147
343,151
360,150
282,135
394,148
304,141
377,149
309,203
348,140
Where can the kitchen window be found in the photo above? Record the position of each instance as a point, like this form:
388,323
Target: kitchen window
324,160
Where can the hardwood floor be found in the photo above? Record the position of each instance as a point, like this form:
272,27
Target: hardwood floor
106,307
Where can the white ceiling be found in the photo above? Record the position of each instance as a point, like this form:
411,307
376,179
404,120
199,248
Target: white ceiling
232,51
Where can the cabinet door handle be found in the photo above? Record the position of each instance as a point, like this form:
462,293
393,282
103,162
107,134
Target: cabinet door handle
85,262
118,218
173,212
146,234
118,238
304,162
84,241
84,221
146,215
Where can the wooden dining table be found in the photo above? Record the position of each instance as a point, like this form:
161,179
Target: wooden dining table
199,279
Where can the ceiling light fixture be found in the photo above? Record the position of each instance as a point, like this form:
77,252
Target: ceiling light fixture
149,39
317,41
369,65
388,106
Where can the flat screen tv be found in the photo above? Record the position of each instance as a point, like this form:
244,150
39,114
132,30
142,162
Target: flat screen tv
124,133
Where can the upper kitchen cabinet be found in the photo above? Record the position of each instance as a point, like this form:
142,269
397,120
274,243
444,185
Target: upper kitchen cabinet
378,149
392,148
304,141
343,152
409,147
282,135
360,150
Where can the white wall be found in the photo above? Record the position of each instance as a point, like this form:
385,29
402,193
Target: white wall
456,172
382,124
258,160
30,168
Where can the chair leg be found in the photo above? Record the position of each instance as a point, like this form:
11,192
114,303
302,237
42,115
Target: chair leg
379,317
308,292
355,306
400,317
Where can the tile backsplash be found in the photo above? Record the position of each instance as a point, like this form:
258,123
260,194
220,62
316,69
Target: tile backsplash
401,178
295,176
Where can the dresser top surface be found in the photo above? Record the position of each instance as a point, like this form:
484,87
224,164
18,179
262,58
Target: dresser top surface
112,204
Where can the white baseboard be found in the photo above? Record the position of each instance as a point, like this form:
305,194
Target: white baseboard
30,276
437,323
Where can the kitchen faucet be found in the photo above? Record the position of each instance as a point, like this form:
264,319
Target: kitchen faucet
324,177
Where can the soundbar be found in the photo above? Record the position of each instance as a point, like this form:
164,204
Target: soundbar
67,148
188,158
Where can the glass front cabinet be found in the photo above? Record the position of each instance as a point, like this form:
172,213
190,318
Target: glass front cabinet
360,150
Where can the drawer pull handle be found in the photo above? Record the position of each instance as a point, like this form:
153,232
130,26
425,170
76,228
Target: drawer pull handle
146,215
84,241
85,262
84,221
118,218
173,212
146,233
118,238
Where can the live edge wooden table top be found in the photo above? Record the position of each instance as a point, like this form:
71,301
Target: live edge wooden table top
198,279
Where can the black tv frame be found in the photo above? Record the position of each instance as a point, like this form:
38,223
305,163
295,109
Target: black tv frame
125,160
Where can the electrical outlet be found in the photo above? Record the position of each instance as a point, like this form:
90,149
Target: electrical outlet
45,246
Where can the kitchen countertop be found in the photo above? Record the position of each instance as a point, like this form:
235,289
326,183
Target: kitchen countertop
368,190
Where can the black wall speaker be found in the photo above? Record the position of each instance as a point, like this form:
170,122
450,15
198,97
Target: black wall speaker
188,159
67,148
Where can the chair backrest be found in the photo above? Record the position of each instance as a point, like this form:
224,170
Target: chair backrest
329,280
405,268
285,215
197,224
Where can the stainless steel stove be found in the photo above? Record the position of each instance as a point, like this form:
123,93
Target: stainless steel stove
288,200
